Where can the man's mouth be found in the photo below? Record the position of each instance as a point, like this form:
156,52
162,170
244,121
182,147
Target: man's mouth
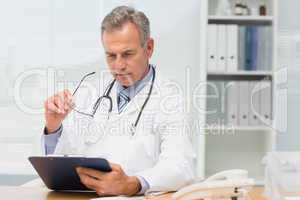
122,75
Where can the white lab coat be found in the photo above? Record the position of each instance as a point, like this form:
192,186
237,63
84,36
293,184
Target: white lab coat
160,150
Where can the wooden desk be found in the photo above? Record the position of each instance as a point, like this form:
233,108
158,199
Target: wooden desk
23,193
255,194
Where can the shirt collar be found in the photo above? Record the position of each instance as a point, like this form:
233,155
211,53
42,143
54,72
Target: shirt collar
131,91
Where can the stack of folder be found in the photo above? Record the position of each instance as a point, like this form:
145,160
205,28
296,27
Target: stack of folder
239,103
232,47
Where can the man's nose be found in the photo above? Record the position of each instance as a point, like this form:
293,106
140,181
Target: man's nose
120,63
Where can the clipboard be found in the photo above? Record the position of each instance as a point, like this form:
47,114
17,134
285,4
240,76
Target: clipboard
58,173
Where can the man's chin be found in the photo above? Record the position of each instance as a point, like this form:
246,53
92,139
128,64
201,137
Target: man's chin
125,81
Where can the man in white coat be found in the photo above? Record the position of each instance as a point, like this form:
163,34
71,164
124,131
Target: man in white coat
140,132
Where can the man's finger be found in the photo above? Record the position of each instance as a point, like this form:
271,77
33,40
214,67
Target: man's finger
67,94
51,107
69,104
89,182
58,102
115,167
91,172
63,101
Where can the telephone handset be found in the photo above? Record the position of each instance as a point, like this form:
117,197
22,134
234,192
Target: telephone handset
230,184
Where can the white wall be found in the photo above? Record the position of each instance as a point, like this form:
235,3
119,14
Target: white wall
34,36
65,35
289,61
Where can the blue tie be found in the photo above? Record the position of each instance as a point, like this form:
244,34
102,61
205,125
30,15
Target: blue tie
122,101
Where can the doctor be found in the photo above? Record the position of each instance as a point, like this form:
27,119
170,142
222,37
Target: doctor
135,122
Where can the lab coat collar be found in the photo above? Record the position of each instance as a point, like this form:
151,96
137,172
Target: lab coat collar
138,86
136,103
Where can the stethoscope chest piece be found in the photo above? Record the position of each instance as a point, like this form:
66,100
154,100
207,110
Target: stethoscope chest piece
132,130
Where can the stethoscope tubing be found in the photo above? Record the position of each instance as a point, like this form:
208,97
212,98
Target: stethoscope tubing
106,95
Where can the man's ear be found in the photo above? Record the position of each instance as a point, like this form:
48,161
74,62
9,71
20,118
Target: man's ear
150,47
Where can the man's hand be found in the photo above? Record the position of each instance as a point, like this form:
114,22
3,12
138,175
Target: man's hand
57,108
115,182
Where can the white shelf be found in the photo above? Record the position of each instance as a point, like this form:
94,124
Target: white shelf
241,73
241,18
239,128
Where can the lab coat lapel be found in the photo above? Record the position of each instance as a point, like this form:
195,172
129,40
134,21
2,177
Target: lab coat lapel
134,104
138,100
113,95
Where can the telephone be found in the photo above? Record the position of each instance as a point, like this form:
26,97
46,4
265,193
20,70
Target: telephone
230,185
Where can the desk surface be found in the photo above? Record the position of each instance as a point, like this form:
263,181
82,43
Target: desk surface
26,193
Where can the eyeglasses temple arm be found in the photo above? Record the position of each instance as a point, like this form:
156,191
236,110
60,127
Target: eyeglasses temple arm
84,77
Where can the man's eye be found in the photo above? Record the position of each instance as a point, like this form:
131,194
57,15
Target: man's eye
127,54
110,56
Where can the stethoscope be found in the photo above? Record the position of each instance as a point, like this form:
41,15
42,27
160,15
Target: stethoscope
106,97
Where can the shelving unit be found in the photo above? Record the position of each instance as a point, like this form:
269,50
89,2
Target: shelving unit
242,146
261,20
241,73
240,18
238,128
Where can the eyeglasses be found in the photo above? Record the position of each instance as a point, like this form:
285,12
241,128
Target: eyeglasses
79,91
103,101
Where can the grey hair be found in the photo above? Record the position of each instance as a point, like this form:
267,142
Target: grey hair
124,14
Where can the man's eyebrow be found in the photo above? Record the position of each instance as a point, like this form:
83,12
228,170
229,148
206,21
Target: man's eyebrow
107,52
129,51
125,51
